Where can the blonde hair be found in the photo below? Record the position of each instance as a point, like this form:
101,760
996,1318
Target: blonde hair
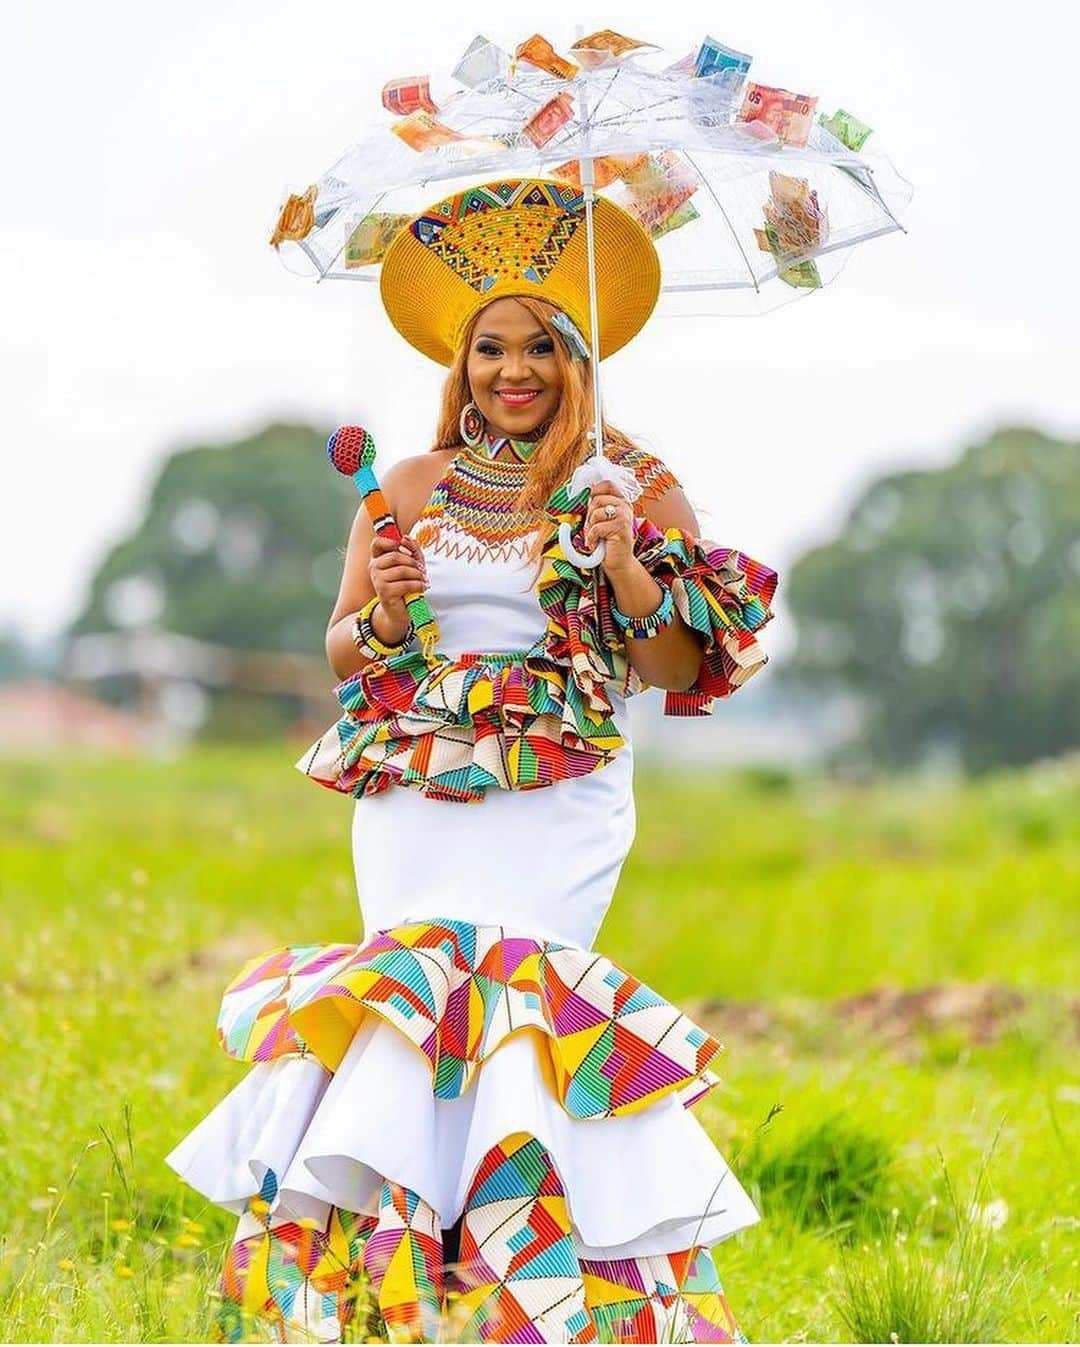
564,443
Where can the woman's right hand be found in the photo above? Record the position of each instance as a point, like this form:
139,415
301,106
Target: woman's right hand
397,571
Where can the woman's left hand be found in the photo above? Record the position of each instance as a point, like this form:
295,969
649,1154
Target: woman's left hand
617,529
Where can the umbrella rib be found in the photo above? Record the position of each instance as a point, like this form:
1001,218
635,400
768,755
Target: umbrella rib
306,249
723,212
517,89
593,111
510,118
573,122
514,88
637,112
872,191
792,260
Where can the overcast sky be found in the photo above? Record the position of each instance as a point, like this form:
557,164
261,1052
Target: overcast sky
147,147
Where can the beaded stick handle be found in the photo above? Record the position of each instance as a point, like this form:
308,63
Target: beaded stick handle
351,449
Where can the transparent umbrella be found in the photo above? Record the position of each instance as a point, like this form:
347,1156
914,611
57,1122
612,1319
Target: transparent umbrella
751,195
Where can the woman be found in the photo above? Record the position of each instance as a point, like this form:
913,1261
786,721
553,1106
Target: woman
533,1173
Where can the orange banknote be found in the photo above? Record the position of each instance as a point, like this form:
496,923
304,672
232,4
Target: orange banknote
538,51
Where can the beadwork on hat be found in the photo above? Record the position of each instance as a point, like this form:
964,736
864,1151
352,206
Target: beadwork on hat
517,236
512,230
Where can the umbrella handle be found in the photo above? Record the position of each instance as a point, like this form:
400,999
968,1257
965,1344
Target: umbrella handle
586,560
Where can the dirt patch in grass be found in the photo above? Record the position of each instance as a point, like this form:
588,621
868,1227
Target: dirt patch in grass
980,1010
978,1013
224,956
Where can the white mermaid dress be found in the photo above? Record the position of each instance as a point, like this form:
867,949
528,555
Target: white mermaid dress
519,870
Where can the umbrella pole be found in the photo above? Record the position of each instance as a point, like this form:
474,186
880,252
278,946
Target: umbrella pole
588,181
587,561
588,184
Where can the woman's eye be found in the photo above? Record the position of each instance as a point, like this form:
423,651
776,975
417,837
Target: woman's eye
541,348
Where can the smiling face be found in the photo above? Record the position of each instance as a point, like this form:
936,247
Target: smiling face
510,353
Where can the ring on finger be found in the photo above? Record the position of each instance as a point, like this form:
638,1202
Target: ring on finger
610,511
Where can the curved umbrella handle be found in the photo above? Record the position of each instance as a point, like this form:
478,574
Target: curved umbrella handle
586,560
596,468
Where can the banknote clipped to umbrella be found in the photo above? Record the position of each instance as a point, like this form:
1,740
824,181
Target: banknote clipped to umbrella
752,192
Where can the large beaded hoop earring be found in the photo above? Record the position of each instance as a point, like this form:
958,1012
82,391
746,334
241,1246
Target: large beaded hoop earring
471,424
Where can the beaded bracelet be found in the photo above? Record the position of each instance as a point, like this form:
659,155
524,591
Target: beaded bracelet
652,623
368,643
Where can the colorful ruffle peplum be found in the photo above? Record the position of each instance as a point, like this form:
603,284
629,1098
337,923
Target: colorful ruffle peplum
512,720
525,1080
520,720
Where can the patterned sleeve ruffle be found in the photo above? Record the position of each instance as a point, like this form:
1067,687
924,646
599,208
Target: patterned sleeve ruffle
721,593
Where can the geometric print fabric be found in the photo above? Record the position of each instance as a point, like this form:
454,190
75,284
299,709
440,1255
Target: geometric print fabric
518,1277
607,1044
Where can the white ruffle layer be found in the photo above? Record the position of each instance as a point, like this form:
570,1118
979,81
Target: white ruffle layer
643,1183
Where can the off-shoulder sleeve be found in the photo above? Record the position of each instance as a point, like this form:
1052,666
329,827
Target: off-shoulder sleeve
654,477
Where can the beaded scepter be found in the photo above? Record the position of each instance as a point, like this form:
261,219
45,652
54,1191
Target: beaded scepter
351,449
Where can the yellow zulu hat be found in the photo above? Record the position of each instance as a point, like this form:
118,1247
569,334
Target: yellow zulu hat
517,236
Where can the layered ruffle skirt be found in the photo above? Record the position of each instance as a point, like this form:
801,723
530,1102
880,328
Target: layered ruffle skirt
445,1075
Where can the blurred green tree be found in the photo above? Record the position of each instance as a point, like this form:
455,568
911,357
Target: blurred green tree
16,660
241,544
949,605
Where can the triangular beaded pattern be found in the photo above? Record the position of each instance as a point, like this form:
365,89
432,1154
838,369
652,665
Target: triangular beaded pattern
472,515
510,230
504,447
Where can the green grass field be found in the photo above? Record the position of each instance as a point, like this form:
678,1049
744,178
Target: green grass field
770,907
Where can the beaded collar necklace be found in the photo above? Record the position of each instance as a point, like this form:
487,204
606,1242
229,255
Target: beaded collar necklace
504,448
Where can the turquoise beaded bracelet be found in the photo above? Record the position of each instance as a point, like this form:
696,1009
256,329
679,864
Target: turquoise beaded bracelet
652,623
